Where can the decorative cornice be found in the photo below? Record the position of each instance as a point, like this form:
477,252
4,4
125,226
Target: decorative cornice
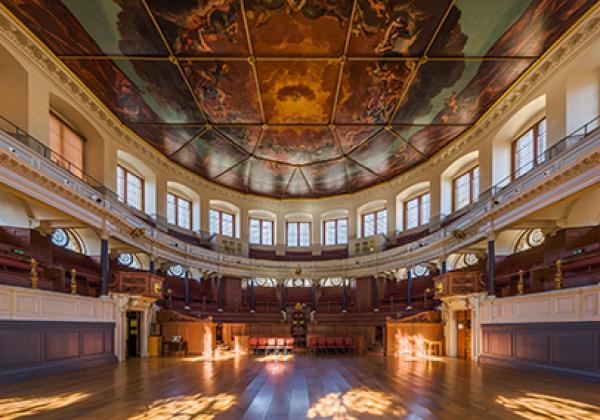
560,53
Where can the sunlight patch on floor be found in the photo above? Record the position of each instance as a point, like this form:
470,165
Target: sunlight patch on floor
355,403
275,358
540,406
184,407
13,408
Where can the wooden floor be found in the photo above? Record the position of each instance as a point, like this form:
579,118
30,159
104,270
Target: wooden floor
324,386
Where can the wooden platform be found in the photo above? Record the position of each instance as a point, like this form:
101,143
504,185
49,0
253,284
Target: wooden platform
323,386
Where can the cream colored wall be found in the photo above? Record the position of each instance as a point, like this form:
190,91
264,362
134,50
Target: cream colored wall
564,96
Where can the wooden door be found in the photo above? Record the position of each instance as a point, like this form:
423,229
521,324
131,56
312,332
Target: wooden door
463,328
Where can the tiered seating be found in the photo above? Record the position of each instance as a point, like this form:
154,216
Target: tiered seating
320,344
271,344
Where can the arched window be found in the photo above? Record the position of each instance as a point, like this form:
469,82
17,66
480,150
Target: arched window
458,261
176,270
130,188
68,239
264,282
420,270
372,218
179,210
298,282
127,259
529,149
333,282
530,239
465,188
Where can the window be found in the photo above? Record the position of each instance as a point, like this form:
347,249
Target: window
66,146
529,150
374,223
130,188
222,223
261,232
466,188
335,232
176,271
416,211
298,234
179,211
68,239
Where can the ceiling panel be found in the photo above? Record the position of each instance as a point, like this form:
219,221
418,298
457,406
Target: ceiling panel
298,145
327,178
166,138
269,178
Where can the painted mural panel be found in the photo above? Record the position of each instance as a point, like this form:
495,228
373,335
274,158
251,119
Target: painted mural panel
327,178
269,178
297,185
298,145
246,137
165,138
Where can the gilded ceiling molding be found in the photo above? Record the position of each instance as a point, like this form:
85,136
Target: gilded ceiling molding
560,54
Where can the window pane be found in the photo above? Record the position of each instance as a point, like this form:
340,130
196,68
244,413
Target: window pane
304,234
171,209
462,191
369,224
524,154
475,183
330,232
342,234
120,184
292,234
382,221
412,213
227,224
214,222
267,232
134,191
425,209
184,213
254,231
541,142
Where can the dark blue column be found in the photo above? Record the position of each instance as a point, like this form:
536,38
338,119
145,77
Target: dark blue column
282,296
444,266
375,293
251,295
313,296
186,289
491,266
409,288
152,267
104,266
220,293
344,296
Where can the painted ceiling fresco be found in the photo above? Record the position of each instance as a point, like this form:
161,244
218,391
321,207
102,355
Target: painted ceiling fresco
298,98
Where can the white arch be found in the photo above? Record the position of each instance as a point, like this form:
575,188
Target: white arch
368,207
460,165
405,195
502,141
188,193
138,167
229,208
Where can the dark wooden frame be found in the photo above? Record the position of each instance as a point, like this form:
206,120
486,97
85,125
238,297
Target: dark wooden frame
513,148
375,212
419,199
297,245
472,197
336,240
177,198
126,173
260,233
221,212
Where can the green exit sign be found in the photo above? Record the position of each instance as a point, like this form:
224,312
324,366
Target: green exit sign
18,251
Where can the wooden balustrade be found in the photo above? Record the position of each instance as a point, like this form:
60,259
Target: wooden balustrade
457,283
139,283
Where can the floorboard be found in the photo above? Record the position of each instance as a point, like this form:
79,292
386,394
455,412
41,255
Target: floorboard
340,387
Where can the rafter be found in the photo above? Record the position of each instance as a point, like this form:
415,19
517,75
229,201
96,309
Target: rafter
289,181
197,135
235,165
306,180
422,60
401,138
174,59
366,168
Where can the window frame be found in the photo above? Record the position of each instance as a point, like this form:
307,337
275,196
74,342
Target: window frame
375,226
297,245
419,198
472,198
127,172
178,198
220,232
260,231
535,128
336,236
59,156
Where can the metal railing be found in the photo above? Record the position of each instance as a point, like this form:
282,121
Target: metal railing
438,228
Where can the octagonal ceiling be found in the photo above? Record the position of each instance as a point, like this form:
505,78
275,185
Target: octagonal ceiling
298,98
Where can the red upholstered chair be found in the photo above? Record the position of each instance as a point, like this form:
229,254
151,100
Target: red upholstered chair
280,344
271,344
252,344
312,344
330,343
321,344
262,344
289,343
339,343
349,344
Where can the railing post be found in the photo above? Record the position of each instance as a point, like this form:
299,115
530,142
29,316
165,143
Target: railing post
104,265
